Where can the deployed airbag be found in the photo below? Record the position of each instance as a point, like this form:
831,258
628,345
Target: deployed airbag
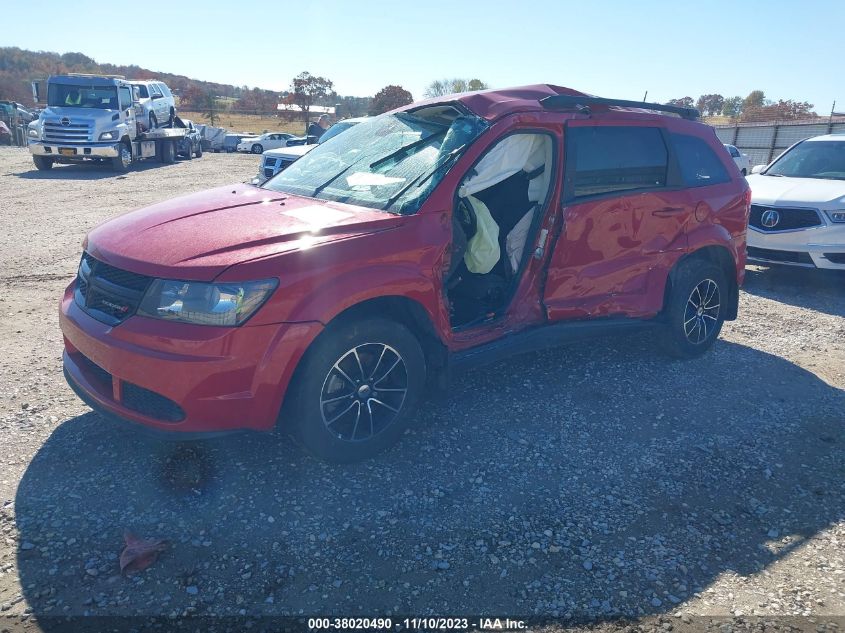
483,248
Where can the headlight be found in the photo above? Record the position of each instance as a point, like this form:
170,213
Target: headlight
223,304
836,216
109,136
32,132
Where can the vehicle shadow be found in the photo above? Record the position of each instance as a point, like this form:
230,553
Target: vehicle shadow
86,172
814,289
591,482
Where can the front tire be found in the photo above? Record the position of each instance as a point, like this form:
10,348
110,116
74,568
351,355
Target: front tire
153,122
744,172
42,163
257,149
123,160
356,389
695,308
198,153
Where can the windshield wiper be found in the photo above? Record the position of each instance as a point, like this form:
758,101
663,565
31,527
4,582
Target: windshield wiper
336,176
407,148
775,175
423,177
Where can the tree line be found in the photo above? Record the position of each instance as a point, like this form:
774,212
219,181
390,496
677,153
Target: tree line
754,107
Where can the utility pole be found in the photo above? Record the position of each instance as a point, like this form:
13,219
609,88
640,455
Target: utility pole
645,96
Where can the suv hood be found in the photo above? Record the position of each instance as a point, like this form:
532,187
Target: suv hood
293,151
197,237
799,192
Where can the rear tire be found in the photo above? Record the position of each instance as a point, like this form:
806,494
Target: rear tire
190,153
42,163
356,389
695,308
168,152
257,149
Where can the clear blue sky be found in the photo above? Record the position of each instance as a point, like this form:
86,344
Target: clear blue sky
790,50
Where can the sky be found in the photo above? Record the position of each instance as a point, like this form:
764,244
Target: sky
617,49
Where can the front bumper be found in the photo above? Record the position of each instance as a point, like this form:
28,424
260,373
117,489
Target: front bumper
178,378
69,151
820,247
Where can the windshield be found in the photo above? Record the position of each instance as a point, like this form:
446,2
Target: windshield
101,97
390,162
812,159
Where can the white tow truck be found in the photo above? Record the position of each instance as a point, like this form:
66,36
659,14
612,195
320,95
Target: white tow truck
93,118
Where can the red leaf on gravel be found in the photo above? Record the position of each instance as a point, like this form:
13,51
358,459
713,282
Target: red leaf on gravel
139,553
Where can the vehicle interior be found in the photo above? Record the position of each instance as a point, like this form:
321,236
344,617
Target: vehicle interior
498,209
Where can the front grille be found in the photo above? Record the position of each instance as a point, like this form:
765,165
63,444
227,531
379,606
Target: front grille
787,257
108,294
836,258
93,370
273,166
151,404
77,132
787,218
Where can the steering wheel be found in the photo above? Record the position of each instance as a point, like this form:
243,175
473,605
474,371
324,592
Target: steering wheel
466,217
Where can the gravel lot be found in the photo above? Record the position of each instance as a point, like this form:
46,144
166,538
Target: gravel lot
584,483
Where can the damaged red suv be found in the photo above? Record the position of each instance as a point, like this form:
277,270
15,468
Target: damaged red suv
437,237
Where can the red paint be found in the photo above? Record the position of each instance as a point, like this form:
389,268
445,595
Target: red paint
602,257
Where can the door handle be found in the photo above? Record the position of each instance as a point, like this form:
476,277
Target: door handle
666,212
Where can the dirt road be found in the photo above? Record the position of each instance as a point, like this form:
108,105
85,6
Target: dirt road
584,482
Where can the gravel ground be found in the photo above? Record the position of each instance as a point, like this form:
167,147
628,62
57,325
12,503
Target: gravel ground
585,483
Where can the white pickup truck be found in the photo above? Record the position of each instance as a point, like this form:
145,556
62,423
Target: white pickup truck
275,160
92,118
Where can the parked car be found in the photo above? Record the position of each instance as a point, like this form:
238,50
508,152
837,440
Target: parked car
230,142
798,206
191,144
156,104
258,144
440,237
275,160
743,163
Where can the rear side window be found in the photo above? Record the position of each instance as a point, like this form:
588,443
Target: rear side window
154,91
698,162
615,159
165,90
734,151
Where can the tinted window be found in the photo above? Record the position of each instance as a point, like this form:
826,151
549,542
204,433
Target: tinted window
143,93
733,151
698,162
609,159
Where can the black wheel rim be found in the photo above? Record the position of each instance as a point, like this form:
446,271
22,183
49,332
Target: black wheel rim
702,312
363,392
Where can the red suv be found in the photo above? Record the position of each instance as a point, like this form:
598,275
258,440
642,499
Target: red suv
443,235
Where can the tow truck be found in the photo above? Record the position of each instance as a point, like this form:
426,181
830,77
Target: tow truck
93,118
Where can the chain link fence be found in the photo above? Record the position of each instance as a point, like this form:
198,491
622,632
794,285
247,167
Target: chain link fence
763,142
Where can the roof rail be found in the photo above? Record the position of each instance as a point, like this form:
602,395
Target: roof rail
566,102
94,75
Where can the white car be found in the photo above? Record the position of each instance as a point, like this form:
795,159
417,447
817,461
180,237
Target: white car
274,161
260,144
798,206
743,163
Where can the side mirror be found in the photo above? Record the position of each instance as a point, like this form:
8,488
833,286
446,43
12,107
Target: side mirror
757,169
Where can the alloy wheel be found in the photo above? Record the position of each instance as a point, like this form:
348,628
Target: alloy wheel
702,311
363,392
